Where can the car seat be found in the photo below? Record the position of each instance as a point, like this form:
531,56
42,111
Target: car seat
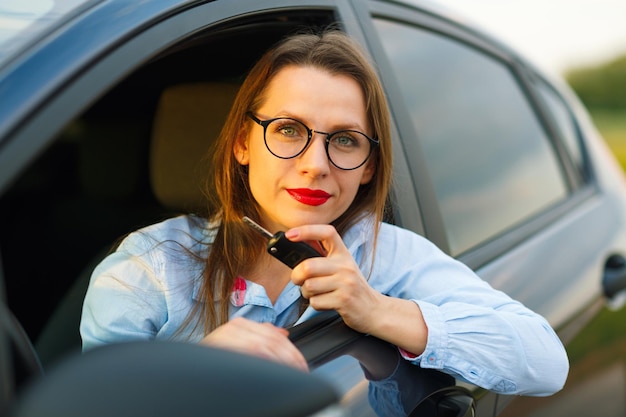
188,118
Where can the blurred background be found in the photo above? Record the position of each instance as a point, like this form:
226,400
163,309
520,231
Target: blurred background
583,41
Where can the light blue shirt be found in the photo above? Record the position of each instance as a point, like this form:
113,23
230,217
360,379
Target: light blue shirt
146,289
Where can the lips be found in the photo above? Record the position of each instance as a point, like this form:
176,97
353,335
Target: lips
308,196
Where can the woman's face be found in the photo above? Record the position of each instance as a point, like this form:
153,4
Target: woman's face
307,189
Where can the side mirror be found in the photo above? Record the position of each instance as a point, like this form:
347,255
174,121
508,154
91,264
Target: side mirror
172,379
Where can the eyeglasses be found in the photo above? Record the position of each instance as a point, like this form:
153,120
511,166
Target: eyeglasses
287,138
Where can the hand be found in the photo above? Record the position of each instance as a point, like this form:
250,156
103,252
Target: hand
257,339
334,282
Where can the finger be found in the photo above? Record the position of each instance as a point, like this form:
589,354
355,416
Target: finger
312,268
320,282
257,339
275,345
326,236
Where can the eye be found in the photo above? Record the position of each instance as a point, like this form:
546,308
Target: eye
345,140
289,129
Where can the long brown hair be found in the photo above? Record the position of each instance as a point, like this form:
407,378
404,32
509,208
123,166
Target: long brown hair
235,245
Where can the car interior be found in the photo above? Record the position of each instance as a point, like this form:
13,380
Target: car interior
134,157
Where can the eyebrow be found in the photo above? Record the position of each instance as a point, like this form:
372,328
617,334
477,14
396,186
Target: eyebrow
346,126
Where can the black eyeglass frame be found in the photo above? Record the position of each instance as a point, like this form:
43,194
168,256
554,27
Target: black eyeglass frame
266,123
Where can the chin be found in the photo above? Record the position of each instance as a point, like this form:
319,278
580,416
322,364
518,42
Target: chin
306,219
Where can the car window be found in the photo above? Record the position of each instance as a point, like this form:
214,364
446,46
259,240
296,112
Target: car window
21,21
490,160
564,123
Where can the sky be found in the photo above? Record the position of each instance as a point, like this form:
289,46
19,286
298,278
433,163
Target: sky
557,35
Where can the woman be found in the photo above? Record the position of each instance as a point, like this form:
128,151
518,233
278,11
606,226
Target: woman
306,149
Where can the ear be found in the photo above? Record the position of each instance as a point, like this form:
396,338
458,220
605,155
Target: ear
369,171
241,149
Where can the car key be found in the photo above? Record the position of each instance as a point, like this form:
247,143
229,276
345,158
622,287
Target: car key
288,252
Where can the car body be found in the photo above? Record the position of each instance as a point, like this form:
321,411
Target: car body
105,106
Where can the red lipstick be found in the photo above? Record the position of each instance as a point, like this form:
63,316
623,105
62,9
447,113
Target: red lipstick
308,196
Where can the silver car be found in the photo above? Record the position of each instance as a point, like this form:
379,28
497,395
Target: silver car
105,106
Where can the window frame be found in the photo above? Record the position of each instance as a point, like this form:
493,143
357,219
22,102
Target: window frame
538,82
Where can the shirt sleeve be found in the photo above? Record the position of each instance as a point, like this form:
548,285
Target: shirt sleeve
503,351
124,300
475,332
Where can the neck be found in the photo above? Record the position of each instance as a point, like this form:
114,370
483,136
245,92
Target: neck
272,274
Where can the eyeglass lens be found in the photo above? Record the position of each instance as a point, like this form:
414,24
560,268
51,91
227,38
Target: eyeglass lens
346,149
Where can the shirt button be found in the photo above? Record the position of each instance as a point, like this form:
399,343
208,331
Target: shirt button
432,358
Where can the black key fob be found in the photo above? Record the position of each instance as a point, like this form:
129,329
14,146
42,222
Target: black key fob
288,252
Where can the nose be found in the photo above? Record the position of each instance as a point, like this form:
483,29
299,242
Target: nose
314,160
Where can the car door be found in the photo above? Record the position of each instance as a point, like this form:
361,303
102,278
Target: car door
513,181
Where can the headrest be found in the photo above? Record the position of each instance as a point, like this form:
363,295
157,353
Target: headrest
188,118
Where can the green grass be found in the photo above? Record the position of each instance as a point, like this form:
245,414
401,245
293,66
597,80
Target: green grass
612,126
606,331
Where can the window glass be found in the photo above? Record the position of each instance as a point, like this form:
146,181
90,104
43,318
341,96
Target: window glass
490,160
564,123
21,21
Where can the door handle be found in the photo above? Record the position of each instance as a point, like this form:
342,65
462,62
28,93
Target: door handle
614,277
